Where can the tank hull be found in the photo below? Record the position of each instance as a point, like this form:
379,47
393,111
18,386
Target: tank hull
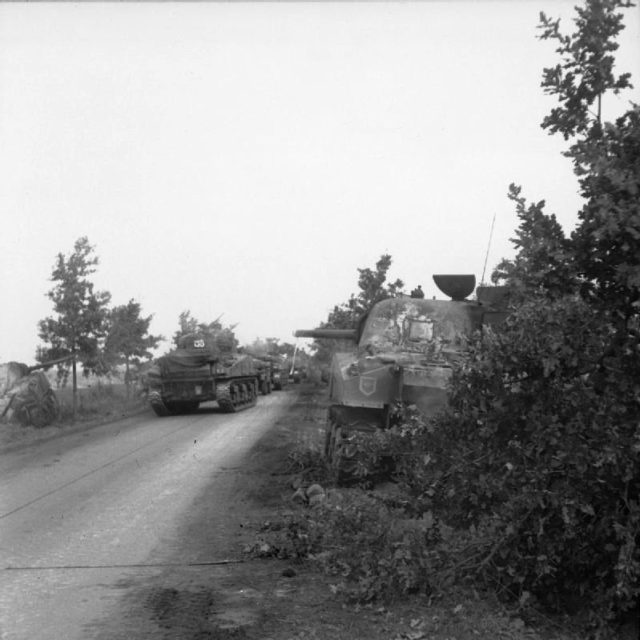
177,386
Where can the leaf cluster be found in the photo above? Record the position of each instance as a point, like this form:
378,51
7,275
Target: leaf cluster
223,337
371,548
585,71
128,339
537,461
372,288
84,326
80,321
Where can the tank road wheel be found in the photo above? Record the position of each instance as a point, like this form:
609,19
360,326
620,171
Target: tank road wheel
237,395
252,400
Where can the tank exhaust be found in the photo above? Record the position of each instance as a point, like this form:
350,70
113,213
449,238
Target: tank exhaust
457,287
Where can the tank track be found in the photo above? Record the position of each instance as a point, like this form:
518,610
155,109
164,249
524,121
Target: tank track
157,404
342,453
236,395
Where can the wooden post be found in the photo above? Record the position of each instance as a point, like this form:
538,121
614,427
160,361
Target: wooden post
75,386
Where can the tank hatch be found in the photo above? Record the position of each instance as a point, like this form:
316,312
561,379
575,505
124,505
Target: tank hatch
457,287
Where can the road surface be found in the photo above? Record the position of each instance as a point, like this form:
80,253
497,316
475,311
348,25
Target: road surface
85,515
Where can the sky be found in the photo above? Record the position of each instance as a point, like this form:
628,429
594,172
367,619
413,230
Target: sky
245,159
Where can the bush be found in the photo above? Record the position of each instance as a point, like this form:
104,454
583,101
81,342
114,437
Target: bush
540,446
371,548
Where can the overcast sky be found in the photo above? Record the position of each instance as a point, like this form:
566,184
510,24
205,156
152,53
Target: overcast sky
245,159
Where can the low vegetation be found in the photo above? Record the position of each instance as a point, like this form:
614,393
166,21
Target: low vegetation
529,483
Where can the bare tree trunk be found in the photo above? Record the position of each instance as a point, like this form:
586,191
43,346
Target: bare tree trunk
75,387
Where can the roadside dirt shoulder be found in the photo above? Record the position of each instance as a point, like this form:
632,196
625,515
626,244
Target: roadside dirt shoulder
231,594
14,436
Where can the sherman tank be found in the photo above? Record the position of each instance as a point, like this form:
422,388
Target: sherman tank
198,372
403,353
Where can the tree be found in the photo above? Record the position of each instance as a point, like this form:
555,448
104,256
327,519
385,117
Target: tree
543,428
373,287
214,332
79,325
128,337
269,346
585,71
606,156
544,262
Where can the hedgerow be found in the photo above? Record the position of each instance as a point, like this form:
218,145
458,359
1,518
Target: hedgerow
541,444
529,483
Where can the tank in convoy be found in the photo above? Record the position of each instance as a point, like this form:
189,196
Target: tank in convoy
198,371
403,353
264,365
280,374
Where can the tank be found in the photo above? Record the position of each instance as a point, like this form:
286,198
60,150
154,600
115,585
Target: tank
26,395
280,375
403,353
197,371
264,366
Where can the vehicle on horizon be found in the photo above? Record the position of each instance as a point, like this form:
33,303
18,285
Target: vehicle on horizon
404,352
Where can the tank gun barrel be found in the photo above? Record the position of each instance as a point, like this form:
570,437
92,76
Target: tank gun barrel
50,363
333,334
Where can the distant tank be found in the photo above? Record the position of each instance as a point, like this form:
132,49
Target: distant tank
264,365
403,354
197,371
280,375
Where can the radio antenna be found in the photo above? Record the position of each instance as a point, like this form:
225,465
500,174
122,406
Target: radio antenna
486,257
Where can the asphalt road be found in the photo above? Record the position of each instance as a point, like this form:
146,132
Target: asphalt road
83,513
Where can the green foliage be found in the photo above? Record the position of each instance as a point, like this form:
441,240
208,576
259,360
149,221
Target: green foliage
215,332
607,239
606,156
128,339
270,347
544,442
79,325
536,464
585,72
541,443
373,287
371,548
544,262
